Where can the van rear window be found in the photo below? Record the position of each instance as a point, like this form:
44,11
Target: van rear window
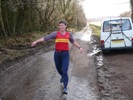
116,25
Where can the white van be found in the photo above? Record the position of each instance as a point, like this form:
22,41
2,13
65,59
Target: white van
116,33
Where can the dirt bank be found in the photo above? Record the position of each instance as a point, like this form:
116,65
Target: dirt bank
114,70
14,54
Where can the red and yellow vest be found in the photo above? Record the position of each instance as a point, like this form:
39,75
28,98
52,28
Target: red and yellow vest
62,41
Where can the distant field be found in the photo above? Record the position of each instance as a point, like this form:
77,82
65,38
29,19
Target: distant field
98,23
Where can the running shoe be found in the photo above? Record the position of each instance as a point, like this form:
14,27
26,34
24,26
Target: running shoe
65,91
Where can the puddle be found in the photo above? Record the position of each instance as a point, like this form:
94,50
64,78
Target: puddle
79,90
84,36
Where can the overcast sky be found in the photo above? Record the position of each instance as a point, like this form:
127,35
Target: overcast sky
100,8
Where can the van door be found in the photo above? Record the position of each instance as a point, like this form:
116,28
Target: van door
120,33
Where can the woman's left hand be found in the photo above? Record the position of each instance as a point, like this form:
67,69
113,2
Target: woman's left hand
81,50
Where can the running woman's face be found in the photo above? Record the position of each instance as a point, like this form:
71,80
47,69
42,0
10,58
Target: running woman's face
62,27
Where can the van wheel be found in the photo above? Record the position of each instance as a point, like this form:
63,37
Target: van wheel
131,50
105,51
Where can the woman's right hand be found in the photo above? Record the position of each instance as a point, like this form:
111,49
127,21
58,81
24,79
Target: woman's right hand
37,41
33,44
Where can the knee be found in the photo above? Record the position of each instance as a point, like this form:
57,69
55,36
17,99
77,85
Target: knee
65,73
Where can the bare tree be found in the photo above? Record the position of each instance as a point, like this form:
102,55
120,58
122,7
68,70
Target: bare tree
126,14
71,10
24,16
1,22
131,3
45,10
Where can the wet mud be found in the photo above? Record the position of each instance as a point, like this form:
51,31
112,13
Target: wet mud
92,75
36,78
114,72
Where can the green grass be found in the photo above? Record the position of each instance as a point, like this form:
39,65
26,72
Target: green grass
95,29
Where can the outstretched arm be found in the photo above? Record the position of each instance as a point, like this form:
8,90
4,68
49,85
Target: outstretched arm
37,41
46,38
78,46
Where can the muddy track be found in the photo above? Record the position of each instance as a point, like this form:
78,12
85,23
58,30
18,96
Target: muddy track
114,70
26,50
36,78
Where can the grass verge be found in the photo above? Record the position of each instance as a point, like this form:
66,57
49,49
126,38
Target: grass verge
19,46
95,29
16,48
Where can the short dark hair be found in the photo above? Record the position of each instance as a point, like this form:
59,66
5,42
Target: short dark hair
63,21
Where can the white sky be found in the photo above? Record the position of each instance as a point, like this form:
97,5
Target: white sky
100,8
